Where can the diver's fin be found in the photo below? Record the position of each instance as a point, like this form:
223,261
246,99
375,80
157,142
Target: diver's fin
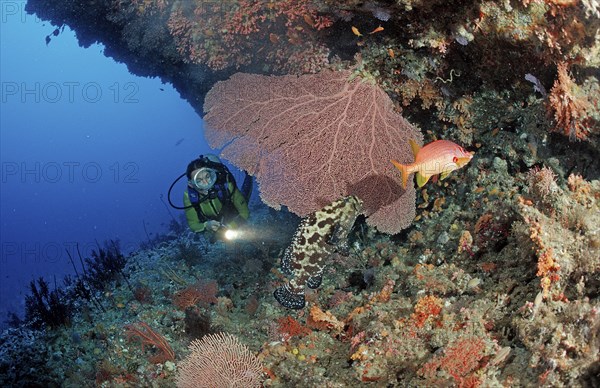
421,179
444,175
288,299
403,170
414,147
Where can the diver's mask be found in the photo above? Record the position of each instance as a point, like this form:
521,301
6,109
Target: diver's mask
203,178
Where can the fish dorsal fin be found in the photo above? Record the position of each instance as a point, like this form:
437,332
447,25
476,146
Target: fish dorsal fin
444,175
414,147
421,179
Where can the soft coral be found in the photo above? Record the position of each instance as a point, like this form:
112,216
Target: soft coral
569,105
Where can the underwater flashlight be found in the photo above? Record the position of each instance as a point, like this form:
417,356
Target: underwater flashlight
231,234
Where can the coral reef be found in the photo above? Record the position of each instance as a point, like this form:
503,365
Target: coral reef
432,308
279,35
494,280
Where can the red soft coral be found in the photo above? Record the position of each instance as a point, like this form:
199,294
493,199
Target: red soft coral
569,106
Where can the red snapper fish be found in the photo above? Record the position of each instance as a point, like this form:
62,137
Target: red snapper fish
438,157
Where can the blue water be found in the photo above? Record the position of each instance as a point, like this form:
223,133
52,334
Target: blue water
87,150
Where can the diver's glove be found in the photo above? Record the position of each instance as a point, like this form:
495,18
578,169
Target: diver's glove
212,225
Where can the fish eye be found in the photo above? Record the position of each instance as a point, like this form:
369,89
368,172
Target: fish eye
454,159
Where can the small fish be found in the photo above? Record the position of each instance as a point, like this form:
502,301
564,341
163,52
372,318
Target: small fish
309,20
391,53
356,31
438,157
378,29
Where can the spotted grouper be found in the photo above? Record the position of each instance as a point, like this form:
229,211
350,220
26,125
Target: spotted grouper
319,235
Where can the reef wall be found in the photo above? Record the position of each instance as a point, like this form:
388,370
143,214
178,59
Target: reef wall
434,58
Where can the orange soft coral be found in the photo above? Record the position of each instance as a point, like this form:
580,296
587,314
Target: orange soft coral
569,106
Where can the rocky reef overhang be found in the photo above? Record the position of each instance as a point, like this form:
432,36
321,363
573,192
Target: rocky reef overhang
142,42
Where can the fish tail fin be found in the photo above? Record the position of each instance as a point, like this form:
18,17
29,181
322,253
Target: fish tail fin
404,170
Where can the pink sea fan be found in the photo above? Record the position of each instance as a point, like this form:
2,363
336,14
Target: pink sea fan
219,360
312,139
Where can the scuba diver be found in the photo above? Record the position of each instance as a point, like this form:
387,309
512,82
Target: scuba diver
212,201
